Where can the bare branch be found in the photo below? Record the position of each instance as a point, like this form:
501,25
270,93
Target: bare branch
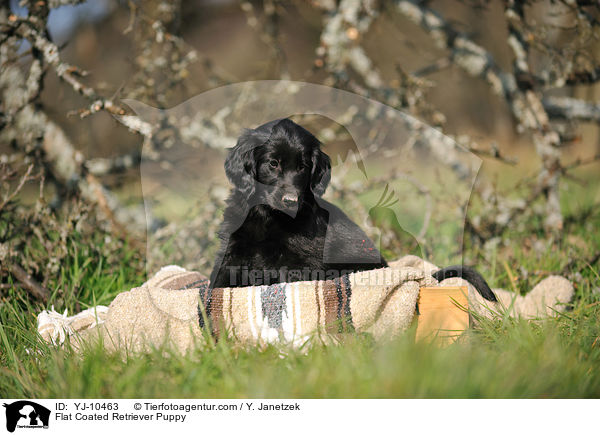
583,77
572,108
70,74
10,196
525,105
339,42
103,166
269,32
30,284
581,162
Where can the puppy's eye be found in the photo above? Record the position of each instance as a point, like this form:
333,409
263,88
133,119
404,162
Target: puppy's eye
273,163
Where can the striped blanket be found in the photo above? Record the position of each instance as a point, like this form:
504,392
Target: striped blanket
177,307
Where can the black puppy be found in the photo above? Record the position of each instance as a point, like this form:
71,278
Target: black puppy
277,228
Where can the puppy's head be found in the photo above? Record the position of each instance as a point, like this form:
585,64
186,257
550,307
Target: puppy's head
279,164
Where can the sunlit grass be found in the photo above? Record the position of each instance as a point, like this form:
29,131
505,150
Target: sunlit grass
558,357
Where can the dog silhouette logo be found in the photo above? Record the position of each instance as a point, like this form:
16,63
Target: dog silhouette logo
26,414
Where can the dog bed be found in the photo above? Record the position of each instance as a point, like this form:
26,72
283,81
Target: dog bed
176,308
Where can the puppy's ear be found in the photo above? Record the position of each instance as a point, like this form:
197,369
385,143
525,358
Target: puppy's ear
240,165
321,172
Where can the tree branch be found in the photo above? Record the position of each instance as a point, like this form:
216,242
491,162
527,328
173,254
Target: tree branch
103,166
572,108
30,284
525,105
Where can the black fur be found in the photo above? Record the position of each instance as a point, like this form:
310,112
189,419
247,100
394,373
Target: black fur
468,274
276,225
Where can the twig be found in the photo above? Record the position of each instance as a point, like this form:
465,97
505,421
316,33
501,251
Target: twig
26,177
103,166
525,105
268,31
581,162
593,259
36,290
438,65
571,108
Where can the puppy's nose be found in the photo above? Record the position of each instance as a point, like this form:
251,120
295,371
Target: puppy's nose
290,199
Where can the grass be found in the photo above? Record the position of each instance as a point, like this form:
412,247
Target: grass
504,358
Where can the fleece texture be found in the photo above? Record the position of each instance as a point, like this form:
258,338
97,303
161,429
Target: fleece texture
177,308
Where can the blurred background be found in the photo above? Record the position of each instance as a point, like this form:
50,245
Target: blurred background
513,82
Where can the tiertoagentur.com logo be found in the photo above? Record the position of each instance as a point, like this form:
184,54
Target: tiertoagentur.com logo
25,414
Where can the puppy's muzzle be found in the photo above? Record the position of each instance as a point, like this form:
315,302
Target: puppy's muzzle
290,199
